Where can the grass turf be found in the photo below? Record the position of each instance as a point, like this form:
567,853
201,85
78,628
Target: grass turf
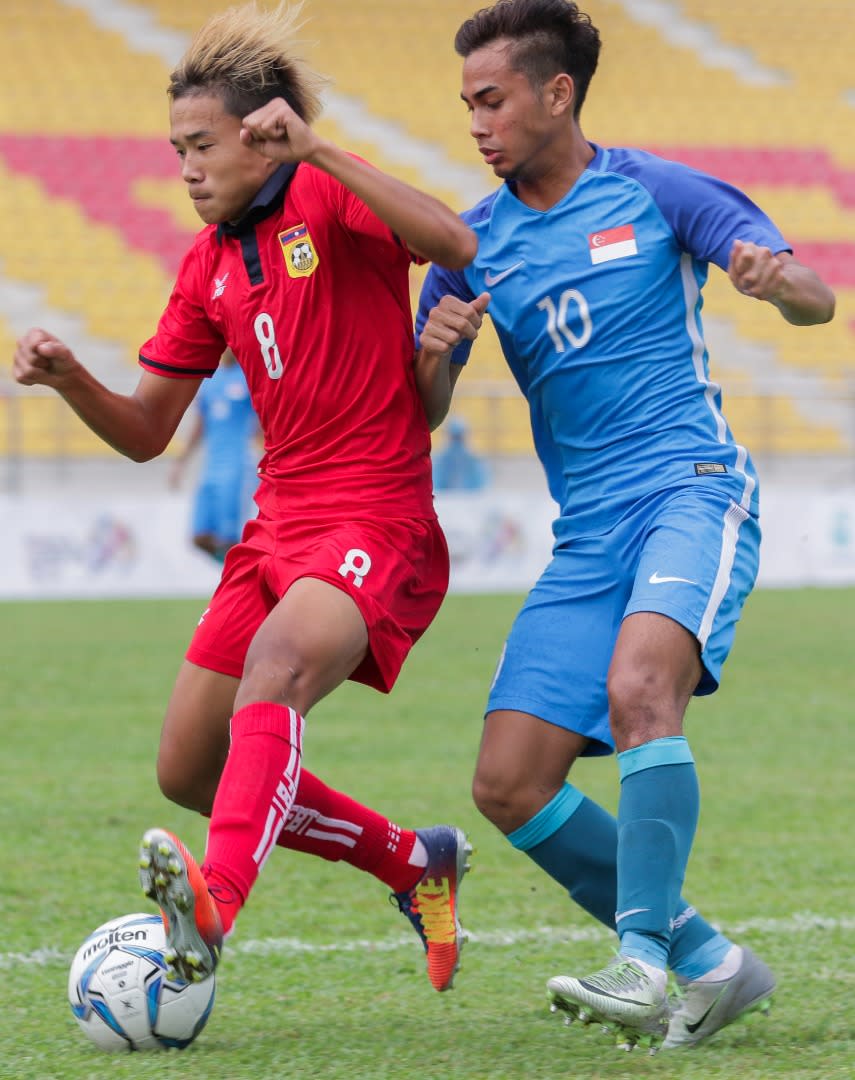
323,978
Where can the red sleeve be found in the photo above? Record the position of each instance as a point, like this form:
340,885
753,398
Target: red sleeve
358,218
186,344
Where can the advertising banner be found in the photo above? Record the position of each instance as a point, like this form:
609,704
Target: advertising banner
95,546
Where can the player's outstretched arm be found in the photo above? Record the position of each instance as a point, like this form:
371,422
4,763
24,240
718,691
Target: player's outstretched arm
452,320
427,226
138,425
798,292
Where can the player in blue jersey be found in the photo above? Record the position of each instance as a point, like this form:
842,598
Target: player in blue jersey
457,467
225,427
592,262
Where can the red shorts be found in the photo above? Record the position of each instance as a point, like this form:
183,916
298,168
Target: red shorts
395,570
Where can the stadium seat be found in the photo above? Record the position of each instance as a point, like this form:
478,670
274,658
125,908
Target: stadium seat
101,216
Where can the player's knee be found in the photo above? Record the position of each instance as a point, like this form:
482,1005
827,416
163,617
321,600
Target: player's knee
642,706
183,787
499,800
481,795
188,772
284,680
205,542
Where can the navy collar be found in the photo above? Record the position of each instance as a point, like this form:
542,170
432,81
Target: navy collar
269,198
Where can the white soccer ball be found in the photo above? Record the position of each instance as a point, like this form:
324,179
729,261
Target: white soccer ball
120,994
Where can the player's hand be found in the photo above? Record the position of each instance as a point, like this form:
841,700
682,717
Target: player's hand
278,133
41,359
755,271
452,321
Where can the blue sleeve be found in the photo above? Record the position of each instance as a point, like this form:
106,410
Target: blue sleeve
438,283
705,214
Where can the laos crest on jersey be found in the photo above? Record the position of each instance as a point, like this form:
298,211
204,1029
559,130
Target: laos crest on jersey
301,258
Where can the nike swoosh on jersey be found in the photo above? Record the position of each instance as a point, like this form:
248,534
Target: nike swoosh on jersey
658,579
493,279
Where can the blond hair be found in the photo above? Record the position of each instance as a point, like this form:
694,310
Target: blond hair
246,56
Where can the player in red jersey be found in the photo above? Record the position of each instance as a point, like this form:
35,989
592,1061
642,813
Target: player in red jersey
302,271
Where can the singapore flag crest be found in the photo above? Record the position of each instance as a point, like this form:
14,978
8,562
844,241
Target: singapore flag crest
609,244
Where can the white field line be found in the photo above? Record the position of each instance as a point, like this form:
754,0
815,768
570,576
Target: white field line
790,925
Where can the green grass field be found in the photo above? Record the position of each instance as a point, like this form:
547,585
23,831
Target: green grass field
323,978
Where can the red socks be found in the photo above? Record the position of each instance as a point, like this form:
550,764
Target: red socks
265,799
330,824
252,801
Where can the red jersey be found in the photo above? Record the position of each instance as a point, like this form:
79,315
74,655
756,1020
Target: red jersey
311,292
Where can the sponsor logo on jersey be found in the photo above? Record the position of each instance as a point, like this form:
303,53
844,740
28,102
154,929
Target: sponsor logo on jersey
609,244
220,286
704,468
301,258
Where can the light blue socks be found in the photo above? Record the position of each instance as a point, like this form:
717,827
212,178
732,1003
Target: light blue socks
575,841
657,816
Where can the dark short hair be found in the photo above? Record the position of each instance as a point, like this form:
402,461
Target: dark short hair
547,37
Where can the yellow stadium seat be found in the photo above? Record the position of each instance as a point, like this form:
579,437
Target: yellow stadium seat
788,145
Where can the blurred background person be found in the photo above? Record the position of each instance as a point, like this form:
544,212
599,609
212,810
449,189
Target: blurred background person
226,428
457,467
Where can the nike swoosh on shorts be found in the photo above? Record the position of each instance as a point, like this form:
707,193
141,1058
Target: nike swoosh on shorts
658,579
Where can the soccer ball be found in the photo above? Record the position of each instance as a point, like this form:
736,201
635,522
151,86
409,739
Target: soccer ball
120,994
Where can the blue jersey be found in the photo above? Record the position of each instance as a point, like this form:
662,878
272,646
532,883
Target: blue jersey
229,474
229,423
597,306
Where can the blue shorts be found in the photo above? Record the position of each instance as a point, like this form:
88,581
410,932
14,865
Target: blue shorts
691,554
223,503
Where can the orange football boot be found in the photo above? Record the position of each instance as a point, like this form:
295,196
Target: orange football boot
431,905
171,877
